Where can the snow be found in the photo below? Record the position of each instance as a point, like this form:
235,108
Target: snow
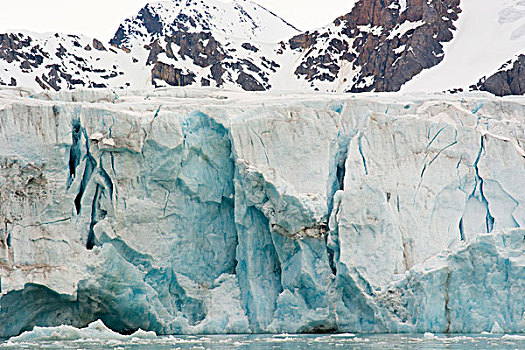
404,27
488,34
376,30
399,50
235,20
400,4
86,70
214,211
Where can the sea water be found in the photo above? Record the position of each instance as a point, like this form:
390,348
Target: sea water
281,341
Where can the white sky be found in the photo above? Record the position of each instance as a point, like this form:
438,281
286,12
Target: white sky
100,18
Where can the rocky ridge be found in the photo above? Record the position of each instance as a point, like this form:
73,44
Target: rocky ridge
508,80
378,46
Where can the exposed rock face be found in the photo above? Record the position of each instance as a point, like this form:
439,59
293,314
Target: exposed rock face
508,80
204,51
172,76
98,45
209,35
187,211
379,45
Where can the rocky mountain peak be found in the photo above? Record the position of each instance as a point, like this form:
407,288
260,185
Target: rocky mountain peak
237,19
378,46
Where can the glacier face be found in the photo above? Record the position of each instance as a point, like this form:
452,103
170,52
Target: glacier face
206,211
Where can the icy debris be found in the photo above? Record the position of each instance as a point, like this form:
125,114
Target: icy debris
518,337
94,331
97,136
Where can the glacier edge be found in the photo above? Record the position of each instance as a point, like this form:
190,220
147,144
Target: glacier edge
206,211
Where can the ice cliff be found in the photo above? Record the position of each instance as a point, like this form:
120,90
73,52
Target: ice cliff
205,211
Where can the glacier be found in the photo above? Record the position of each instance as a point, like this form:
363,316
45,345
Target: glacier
206,211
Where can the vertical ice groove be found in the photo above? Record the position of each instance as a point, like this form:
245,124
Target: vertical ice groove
93,171
88,172
461,230
447,300
489,219
75,152
359,143
337,170
90,243
336,178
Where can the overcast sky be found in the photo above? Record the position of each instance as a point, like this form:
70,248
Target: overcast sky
100,18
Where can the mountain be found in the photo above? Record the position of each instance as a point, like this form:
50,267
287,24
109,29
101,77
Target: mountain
234,20
206,43
177,43
380,45
217,211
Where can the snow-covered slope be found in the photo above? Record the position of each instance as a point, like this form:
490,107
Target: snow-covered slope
207,211
234,20
380,45
489,33
58,61
218,43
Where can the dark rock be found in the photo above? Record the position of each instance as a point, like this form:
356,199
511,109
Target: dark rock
249,47
172,76
204,51
191,45
41,83
12,45
111,75
25,65
217,72
507,81
119,37
97,45
154,50
151,21
303,41
249,83
97,85
61,51
53,78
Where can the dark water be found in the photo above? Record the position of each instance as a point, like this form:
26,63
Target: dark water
291,342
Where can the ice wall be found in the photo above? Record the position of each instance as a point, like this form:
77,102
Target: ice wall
204,211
